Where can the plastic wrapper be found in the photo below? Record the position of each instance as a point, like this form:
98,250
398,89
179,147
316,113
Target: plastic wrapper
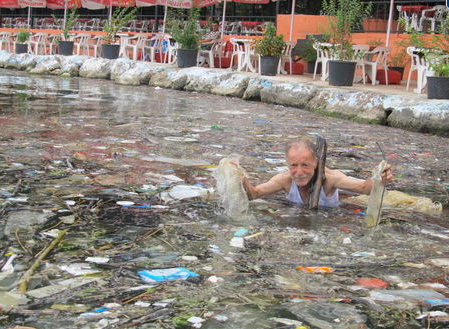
401,200
231,194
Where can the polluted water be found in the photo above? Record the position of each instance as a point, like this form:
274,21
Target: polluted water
110,215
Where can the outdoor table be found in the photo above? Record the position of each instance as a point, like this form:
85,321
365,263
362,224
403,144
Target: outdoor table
415,9
412,14
124,39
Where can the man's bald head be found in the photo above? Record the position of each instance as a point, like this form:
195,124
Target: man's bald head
301,144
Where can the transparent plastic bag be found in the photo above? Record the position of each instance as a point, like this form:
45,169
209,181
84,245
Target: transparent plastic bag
232,196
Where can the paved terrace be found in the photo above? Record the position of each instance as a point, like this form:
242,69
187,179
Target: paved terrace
387,105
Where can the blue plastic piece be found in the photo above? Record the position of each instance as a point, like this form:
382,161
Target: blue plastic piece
241,232
166,274
438,302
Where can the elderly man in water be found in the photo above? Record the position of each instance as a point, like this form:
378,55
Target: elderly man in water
302,162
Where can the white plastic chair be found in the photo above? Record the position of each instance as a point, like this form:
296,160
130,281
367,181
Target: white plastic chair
52,45
359,55
81,43
216,50
93,24
154,45
439,15
95,45
418,64
323,57
286,57
238,50
135,44
169,50
38,43
5,42
378,58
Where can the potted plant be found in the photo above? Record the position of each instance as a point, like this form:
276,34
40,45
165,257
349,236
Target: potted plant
398,60
187,37
308,54
270,49
120,18
65,46
438,61
347,15
21,39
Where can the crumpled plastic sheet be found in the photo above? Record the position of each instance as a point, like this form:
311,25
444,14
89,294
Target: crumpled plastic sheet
401,200
232,196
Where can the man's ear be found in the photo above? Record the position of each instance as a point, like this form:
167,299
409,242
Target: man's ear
315,165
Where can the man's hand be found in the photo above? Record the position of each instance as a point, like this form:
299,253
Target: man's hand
250,190
387,175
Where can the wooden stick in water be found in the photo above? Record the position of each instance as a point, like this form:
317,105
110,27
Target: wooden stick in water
376,197
318,178
23,283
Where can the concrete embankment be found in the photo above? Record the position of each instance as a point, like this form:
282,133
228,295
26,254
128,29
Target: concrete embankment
362,105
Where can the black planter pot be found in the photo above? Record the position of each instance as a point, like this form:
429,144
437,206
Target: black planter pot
269,65
399,69
341,73
65,48
437,88
311,67
21,48
110,51
187,57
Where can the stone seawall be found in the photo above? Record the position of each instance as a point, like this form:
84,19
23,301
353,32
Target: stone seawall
424,116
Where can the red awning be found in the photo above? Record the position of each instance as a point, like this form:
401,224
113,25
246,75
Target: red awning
60,4
118,3
9,4
32,3
92,4
254,2
187,3
146,3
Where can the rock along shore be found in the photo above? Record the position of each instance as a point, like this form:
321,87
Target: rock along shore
430,116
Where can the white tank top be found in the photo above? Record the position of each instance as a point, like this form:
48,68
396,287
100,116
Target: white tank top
325,201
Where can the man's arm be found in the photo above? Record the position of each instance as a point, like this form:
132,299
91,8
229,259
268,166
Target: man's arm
339,180
275,184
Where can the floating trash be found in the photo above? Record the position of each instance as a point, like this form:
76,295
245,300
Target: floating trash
315,269
232,195
169,274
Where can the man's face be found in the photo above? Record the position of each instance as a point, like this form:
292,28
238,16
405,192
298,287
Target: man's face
215,26
301,165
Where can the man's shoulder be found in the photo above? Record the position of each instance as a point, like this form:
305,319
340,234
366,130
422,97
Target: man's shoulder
283,178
